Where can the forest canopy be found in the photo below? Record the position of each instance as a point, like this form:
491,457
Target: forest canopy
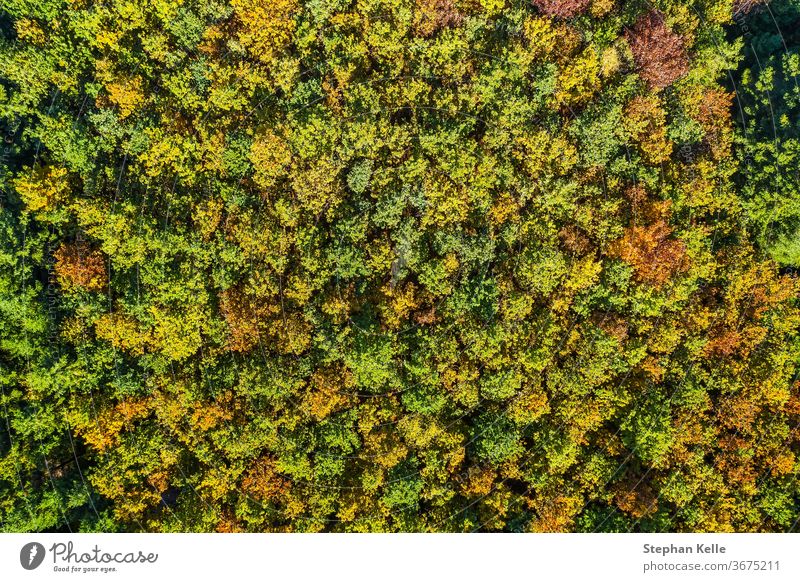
407,265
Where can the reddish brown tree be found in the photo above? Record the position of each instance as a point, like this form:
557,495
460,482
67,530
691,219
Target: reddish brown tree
263,481
245,318
562,8
635,496
660,54
745,6
433,15
712,109
77,265
645,121
654,255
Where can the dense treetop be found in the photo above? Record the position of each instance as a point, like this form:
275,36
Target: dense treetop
417,265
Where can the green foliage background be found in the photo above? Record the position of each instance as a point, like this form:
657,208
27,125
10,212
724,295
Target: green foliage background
430,265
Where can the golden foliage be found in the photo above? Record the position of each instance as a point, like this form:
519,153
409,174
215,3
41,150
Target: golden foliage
645,122
328,391
42,187
579,80
383,447
177,334
29,30
123,91
102,432
207,216
263,482
447,202
401,302
270,157
123,332
266,26
555,514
